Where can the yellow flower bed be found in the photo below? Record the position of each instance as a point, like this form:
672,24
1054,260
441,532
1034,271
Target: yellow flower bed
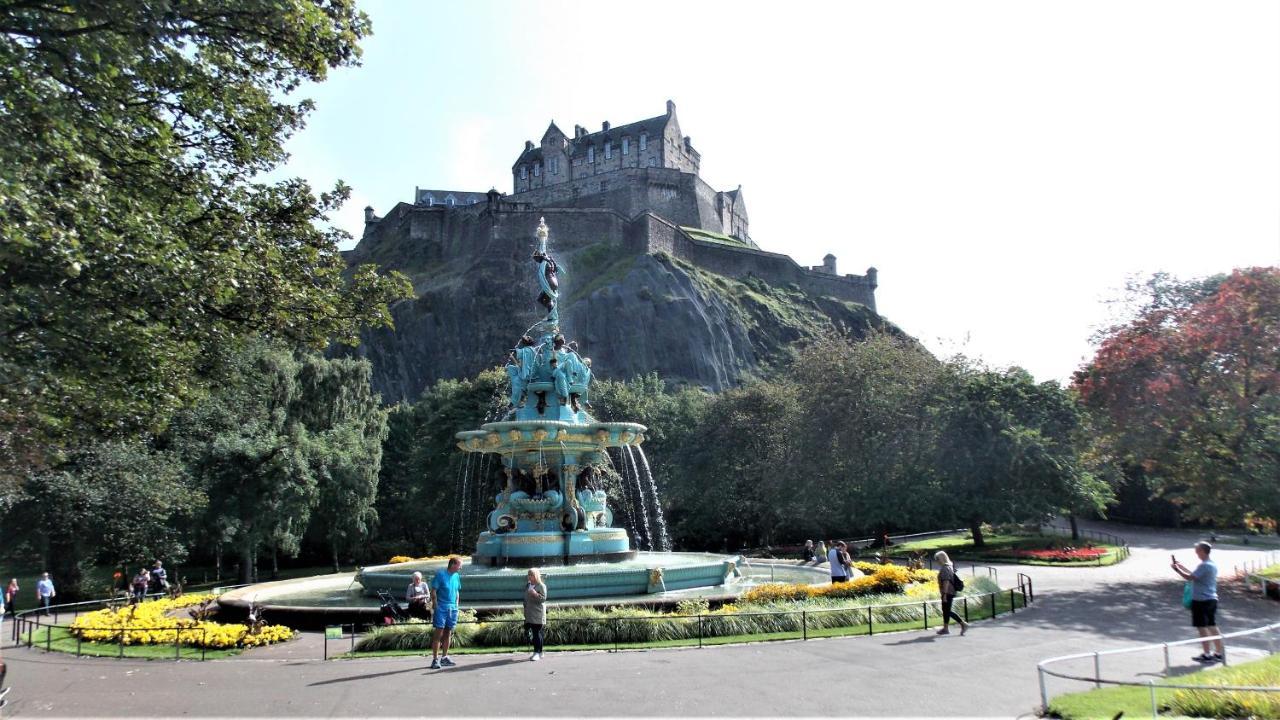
397,559
147,624
879,579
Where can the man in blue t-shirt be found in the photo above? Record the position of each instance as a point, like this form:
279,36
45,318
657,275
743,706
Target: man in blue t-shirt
1204,600
446,587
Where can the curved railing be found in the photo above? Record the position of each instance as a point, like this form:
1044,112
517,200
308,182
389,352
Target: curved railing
1097,680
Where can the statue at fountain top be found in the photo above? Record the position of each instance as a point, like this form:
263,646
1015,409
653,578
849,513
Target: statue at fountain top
548,277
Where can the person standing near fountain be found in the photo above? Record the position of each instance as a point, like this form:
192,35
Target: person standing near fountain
446,589
535,610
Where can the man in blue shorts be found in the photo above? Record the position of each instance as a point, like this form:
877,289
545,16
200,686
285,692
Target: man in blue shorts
446,587
1204,600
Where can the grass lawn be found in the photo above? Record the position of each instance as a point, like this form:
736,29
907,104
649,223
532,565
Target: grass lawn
960,546
1271,571
1136,701
979,609
64,641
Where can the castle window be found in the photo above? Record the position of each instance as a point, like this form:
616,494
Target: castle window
555,166
537,169
449,201
430,199
608,149
591,154
653,162
626,145
644,140
524,172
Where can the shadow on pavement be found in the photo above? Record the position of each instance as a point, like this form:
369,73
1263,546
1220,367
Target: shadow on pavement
368,676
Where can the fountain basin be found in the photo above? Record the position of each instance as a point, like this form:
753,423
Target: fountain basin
563,434
643,574
328,599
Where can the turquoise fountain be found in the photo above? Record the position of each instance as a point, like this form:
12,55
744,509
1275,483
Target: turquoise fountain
553,511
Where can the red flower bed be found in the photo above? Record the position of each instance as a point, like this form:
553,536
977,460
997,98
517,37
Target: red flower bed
1062,554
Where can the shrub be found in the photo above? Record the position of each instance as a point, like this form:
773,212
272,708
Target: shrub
415,635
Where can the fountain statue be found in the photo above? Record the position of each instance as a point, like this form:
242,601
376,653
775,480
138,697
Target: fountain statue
550,513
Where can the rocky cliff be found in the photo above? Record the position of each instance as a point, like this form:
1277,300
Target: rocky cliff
632,313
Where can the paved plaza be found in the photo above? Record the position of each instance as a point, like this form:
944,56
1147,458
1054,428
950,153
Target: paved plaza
991,672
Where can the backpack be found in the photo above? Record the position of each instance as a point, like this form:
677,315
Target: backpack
956,583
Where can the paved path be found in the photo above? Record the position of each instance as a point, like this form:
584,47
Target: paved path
988,673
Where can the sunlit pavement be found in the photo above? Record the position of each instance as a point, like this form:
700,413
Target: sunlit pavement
990,672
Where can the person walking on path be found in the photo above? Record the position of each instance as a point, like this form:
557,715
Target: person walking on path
45,592
1204,600
419,597
159,578
838,572
947,588
446,589
535,610
11,597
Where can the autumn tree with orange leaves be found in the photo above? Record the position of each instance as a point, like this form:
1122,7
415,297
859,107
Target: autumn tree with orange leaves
1187,394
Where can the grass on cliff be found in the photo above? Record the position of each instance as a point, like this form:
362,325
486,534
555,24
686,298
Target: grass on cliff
599,265
715,237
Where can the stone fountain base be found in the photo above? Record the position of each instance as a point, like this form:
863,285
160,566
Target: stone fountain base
538,548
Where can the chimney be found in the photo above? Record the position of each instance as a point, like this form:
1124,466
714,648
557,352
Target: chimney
368,214
671,108
528,145
605,126
578,131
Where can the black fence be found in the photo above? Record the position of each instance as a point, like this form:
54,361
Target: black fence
806,623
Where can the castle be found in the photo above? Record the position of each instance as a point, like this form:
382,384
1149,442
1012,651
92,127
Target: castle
634,186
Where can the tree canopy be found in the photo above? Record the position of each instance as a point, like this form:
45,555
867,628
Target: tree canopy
1187,393
136,247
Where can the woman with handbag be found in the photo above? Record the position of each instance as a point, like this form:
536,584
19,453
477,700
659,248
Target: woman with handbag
535,610
948,585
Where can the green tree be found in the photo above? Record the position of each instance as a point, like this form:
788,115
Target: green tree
121,503
347,426
253,458
136,249
737,487
867,429
1010,450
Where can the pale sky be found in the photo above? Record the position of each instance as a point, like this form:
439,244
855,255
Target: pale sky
1005,165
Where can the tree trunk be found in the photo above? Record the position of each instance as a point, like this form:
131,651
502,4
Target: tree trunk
1075,528
64,569
217,562
975,527
246,562
333,545
275,564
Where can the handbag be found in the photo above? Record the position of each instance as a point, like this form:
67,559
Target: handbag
1186,595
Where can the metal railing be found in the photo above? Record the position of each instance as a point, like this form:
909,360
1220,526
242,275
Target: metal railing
1098,681
975,606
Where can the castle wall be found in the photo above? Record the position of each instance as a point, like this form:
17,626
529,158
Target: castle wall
773,268
440,234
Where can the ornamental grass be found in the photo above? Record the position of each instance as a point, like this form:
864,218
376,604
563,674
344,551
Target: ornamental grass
149,623
779,613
